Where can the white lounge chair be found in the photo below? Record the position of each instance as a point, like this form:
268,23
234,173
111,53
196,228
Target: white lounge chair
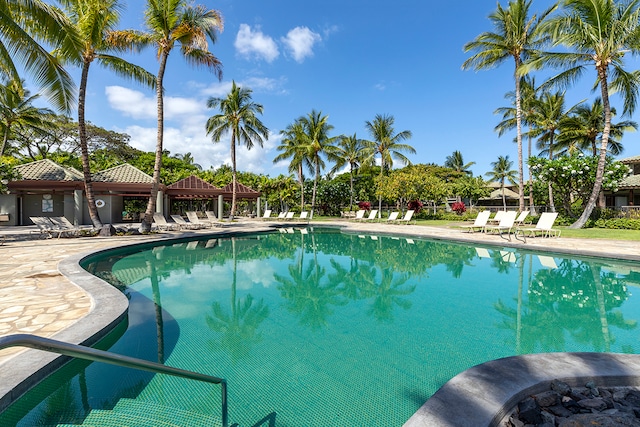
44,224
496,218
521,218
544,226
162,224
393,216
304,216
506,225
194,219
407,218
266,215
213,219
479,223
359,215
185,224
289,216
372,215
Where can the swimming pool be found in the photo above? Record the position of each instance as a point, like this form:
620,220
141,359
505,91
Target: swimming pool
327,328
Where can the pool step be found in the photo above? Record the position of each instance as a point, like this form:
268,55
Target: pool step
134,413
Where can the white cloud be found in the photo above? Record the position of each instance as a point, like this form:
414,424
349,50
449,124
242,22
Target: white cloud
132,103
254,43
300,42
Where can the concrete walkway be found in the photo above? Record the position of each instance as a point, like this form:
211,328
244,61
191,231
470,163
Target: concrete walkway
37,298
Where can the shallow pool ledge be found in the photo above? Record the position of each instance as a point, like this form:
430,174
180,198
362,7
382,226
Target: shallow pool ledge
108,308
485,394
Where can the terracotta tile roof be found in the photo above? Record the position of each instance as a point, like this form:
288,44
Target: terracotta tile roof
47,170
240,189
632,181
634,159
123,173
192,183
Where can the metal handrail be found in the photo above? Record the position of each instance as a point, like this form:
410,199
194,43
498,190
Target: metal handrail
88,353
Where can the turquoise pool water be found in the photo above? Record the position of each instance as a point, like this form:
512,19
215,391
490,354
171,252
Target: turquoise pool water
323,328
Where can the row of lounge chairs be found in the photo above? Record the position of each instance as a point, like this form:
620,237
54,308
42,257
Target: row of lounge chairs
509,222
49,226
286,216
193,221
392,219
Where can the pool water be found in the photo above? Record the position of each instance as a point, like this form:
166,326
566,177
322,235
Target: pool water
322,328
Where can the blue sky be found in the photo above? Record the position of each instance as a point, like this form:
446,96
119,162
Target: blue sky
348,59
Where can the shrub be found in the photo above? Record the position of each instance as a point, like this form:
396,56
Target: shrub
618,223
459,208
416,205
365,205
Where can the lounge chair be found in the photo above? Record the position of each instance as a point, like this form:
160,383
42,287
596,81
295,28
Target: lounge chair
289,216
497,217
479,223
506,225
393,216
193,218
544,226
359,215
44,224
213,219
162,224
281,215
304,216
521,218
63,226
266,215
185,224
372,215
407,218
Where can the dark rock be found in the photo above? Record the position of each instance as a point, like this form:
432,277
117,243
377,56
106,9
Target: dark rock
596,403
559,411
515,422
600,420
560,387
107,230
633,398
547,398
529,411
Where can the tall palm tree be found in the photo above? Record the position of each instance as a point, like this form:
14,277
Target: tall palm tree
456,162
95,21
292,147
352,151
23,23
528,99
387,144
172,22
318,144
516,37
502,172
546,120
598,34
16,109
238,116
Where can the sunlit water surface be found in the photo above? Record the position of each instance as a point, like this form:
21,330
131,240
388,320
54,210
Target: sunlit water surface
321,328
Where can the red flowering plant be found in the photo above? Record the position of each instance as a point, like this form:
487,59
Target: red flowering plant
415,205
364,205
459,208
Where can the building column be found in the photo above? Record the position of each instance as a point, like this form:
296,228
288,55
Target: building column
258,208
78,207
160,202
220,207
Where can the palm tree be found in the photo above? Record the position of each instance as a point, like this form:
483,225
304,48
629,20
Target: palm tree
546,120
292,147
172,22
316,138
238,116
516,36
95,21
387,144
455,162
22,24
350,150
583,130
596,33
502,172
16,109
528,93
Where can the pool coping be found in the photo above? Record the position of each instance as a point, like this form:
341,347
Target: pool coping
481,395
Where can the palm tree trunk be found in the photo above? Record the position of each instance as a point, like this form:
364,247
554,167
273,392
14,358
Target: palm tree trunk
315,185
597,186
82,131
351,198
145,226
552,203
532,205
301,180
234,177
5,138
519,137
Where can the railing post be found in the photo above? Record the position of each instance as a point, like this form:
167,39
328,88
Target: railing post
225,410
